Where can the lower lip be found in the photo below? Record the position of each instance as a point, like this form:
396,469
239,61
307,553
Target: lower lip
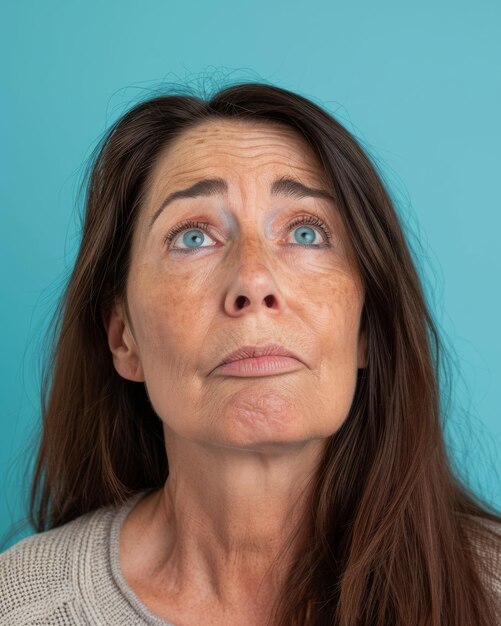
259,366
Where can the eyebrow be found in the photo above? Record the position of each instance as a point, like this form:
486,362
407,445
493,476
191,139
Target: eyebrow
283,185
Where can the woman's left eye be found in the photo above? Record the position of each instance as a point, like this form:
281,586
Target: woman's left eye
304,234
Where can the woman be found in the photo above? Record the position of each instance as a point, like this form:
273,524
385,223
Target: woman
242,415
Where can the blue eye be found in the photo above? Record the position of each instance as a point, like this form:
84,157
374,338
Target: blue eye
193,237
195,232
306,233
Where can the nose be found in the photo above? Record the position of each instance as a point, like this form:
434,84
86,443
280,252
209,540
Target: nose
253,289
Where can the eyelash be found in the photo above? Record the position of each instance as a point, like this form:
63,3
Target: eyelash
302,219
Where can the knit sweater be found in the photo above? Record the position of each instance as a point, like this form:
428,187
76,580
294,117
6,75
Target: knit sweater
71,575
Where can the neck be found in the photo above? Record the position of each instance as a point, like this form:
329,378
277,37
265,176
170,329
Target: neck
224,515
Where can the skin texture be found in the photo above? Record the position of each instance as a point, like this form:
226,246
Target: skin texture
240,450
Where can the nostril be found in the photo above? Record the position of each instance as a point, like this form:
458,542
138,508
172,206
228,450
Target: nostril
269,300
241,302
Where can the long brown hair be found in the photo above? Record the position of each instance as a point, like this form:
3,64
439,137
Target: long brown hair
391,536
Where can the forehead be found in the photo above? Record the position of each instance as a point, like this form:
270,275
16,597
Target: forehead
243,149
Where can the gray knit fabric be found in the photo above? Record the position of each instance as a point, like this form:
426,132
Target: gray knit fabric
71,575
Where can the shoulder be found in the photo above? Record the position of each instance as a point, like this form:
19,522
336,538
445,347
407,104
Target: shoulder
487,547
38,575
486,543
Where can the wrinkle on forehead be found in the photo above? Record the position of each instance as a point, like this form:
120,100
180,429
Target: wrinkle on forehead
253,143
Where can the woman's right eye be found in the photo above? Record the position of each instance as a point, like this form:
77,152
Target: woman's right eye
197,230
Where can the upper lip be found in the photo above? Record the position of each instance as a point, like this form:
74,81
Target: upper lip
248,352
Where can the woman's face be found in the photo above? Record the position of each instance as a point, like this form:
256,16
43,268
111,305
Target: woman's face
185,298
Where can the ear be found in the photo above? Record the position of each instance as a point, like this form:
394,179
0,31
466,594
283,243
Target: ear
362,350
122,344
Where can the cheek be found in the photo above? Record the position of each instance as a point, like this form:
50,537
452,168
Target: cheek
332,304
172,313
336,306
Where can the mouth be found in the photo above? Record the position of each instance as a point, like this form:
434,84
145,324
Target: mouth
259,361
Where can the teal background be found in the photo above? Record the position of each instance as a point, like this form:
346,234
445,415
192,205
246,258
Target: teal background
418,83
